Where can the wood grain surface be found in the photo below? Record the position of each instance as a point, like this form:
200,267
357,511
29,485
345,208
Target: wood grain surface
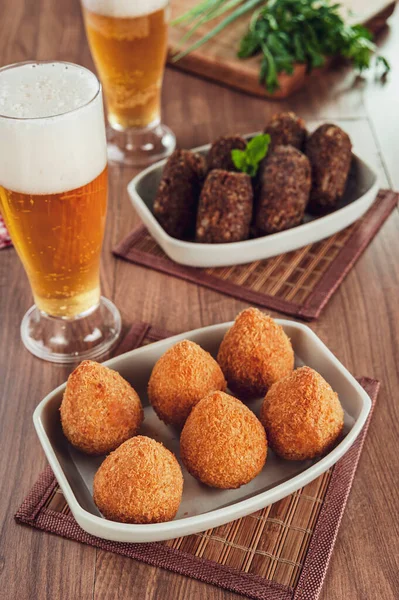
360,325
217,59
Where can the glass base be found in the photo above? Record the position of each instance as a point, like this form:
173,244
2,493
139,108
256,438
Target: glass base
140,147
66,341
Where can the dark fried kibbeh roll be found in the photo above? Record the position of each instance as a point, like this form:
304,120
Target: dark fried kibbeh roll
219,155
225,208
175,205
329,150
284,187
286,129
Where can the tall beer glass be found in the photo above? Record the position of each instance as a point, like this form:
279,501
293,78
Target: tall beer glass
128,42
53,198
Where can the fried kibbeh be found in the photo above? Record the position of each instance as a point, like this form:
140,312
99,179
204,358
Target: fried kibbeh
329,150
100,409
302,415
219,155
223,444
224,208
254,353
140,482
284,184
176,201
180,378
286,128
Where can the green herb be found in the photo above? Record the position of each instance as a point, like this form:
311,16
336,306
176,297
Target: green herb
381,60
286,32
208,10
248,160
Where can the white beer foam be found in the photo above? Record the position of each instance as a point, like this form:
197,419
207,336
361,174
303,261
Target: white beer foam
44,148
124,8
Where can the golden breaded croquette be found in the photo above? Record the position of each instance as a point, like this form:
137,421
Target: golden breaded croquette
223,444
254,354
99,410
141,482
302,415
180,378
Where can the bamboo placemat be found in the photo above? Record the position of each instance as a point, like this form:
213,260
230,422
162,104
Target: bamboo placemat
298,283
281,552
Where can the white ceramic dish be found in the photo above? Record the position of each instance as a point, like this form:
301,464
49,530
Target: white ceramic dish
202,507
361,192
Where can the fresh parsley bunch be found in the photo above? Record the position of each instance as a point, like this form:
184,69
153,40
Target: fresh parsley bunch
248,160
286,32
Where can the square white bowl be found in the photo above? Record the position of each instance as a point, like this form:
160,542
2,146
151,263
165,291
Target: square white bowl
360,194
202,507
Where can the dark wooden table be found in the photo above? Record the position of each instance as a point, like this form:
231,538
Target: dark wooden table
360,325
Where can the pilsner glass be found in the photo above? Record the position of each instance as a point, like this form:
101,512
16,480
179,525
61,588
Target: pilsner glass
128,42
53,198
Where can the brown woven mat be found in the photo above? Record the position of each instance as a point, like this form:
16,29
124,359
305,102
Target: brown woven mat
298,283
280,552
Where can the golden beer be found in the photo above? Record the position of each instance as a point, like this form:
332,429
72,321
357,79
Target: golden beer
129,53
53,197
58,238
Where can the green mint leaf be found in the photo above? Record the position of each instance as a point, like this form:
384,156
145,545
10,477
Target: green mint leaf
238,158
251,170
381,60
247,161
257,148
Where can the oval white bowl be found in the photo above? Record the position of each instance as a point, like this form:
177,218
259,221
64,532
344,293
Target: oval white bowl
360,194
202,507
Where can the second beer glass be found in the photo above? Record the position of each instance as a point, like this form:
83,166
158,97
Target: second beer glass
128,41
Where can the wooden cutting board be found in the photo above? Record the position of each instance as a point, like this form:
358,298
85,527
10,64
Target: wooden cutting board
217,59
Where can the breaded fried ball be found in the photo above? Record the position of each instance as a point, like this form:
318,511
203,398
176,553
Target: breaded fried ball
180,378
141,482
286,128
219,155
99,410
302,415
254,354
223,444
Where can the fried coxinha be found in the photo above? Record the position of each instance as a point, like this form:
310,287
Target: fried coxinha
203,397
180,378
